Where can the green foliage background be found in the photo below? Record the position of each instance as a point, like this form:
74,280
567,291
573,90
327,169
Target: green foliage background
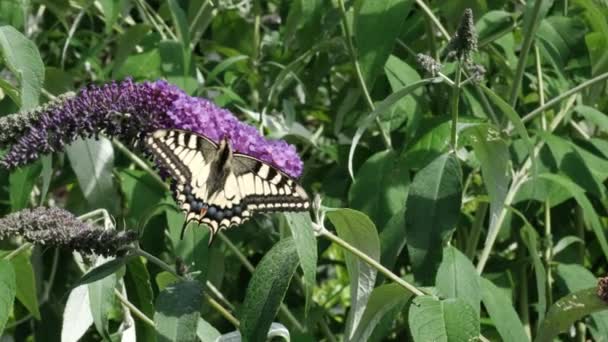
463,209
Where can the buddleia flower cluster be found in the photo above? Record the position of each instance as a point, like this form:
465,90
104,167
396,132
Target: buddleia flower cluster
59,228
127,111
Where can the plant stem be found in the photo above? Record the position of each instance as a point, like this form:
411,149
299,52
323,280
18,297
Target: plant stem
336,239
564,95
429,13
353,54
525,50
524,312
455,102
138,161
475,234
134,310
17,251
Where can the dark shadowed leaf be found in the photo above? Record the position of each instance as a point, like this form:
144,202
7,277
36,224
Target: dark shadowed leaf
21,57
432,210
266,290
359,231
22,181
306,245
7,291
139,290
392,239
380,187
377,24
177,312
457,278
431,319
503,315
102,271
530,238
26,282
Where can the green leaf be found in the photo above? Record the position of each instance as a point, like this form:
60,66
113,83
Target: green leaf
206,332
77,316
493,154
457,278
101,298
502,313
441,321
142,196
139,290
181,24
380,197
21,182
382,300
21,56
110,10
173,65
568,310
266,290
399,75
512,115
193,249
359,231
102,271
392,239
594,116
432,211
92,161
589,215
26,282
145,65
492,25
377,24
177,312
47,174
127,43
303,234
8,288
223,66
530,238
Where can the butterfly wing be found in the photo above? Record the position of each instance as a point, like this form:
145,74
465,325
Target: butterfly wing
263,188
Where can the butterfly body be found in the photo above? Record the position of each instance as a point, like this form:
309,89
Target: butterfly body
215,186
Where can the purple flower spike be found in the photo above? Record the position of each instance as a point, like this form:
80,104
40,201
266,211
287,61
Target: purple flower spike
127,109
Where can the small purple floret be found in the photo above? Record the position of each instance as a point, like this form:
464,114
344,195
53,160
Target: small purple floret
127,109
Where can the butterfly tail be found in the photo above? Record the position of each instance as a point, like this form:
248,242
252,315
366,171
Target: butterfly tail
184,226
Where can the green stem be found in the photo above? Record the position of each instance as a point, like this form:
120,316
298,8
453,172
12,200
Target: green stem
475,234
17,251
138,161
353,54
455,102
564,95
134,310
334,238
524,312
429,13
525,50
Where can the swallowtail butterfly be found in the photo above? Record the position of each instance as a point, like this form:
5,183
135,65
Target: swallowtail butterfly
218,187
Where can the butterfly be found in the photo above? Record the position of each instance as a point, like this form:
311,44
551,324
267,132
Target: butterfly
218,187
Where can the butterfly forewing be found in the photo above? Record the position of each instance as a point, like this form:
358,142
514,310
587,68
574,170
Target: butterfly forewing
218,188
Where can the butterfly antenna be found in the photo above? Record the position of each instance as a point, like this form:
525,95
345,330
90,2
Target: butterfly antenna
181,235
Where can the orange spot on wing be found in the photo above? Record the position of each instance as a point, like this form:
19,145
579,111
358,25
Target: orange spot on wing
203,212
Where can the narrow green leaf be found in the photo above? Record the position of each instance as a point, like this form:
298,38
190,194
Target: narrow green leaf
223,66
92,161
590,216
101,298
139,290
568,310
21,182
266,290
181,24
303,234
47,174
380,197
502,313
177,312
457,278
493,154
206,332
359,231
377,24
26,282
102,271
382,300
441,321
530,239
432,211
110,10
8,288
21,56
